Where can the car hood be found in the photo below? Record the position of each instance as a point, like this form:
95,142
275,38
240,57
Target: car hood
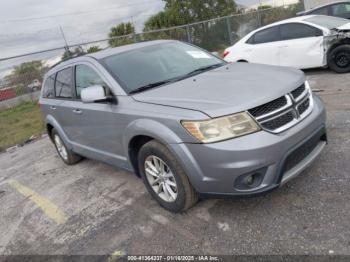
344,27
229,89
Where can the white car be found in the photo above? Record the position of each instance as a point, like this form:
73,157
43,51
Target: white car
301,42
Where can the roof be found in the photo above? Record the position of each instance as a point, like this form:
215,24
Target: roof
289,20
125,48
107,52
324,5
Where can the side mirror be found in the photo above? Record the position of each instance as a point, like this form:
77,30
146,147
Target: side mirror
93,94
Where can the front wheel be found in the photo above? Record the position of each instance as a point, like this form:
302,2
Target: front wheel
339,59
164,178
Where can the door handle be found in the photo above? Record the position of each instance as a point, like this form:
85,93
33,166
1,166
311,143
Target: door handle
53,107
77,111
283,46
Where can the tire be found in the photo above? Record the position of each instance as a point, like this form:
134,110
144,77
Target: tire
67,155
153,152
339,59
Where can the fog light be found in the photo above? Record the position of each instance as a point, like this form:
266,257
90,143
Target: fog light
251,180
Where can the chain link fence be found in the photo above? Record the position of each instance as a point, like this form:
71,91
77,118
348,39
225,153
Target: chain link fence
23,80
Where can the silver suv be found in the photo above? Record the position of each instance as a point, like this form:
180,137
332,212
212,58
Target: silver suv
186,122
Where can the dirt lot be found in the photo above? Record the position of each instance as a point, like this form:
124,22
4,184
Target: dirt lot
91,208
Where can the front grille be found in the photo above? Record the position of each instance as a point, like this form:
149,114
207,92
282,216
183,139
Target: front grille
302,151
278,122
268,107
297,92
283,112
304,106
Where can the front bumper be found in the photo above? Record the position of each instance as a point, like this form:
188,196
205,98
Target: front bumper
214,168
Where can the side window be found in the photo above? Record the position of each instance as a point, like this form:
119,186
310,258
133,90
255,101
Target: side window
63,85
85,76
49,87
296,31
265,36
321,11
341,10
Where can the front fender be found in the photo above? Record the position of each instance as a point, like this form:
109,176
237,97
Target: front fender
151,128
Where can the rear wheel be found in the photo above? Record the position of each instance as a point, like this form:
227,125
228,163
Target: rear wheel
67,155
164,178
339,59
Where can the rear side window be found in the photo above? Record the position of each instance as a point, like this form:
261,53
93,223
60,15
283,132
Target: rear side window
63,86
85,76
265,36
49,87
296,31
342,10
321,11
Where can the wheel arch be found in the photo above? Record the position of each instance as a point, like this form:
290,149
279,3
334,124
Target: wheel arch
52,123
345,41
140,132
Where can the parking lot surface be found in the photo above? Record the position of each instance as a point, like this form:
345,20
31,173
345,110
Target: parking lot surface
49,208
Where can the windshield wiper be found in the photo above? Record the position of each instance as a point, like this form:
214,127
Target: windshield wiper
204,68
149,86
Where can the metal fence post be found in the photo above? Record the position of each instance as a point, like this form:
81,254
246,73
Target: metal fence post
188,34
229,30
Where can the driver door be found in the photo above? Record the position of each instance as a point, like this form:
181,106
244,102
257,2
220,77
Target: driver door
94,126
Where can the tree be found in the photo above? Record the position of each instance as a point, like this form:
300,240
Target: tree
121,34
180,12
93,49
78,51
210,35
24,74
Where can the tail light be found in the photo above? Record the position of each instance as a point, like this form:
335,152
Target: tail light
225,53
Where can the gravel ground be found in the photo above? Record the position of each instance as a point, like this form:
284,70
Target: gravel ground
101,210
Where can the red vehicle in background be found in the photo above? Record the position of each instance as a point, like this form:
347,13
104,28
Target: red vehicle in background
7,93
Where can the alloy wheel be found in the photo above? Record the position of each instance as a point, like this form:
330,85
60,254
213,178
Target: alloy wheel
161,178
61,147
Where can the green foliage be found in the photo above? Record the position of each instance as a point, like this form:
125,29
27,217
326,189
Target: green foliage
121,34
78,51
279,13
93,49
25,73
262,7
19,124
210,35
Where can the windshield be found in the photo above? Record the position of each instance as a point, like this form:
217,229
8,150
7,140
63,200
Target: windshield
329,22
158,64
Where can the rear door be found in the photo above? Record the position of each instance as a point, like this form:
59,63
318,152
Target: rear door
262,47
63,95
302,46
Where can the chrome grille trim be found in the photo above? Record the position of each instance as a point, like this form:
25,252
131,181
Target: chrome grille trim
292,106
289,103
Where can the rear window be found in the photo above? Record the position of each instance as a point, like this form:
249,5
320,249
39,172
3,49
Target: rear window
49,87
63,86
265,36
329,22
296,31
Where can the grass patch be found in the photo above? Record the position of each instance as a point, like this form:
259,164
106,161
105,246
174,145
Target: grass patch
19,123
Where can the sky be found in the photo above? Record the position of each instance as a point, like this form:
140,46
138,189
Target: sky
32,25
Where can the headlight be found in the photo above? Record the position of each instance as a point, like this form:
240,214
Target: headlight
221,128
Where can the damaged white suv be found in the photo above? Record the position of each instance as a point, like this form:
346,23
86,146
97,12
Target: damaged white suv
301,42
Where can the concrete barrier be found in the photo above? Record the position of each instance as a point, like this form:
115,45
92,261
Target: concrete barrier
10,103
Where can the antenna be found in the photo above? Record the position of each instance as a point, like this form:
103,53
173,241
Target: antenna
65,41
